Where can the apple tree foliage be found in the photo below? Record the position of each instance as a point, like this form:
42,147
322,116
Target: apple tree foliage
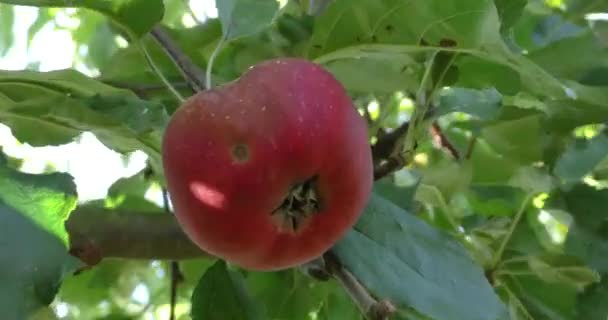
498,212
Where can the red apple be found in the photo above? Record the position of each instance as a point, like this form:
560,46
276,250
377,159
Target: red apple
269,171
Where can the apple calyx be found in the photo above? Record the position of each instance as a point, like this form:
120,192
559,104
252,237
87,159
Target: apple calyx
301,202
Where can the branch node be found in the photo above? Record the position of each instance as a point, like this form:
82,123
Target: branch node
381,310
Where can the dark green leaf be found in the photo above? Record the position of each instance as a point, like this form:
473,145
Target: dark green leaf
401,258
558,57
592,303
495,200
581,157
587,238
544,301
289,294
509,12
33,240
221,295
484,104
245,17
490,167
588,246
518,139
401,195
587,205
481,74
136,16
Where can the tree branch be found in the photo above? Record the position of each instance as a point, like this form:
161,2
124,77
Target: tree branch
369,306
442,142
97,233
192,73
385,146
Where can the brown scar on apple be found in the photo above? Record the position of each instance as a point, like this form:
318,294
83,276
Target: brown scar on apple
240,153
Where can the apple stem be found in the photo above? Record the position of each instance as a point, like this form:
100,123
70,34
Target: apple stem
216,51
190,71
158,72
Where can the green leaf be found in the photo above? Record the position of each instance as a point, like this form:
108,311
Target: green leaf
88,288
560,269
558,59
129,194
448,176
518,139
589,246
399,193
544,301
489,166
221,295
587,238
581,157
532,180
587,205
53,108
495,200
289,294
33,240
346,22
483,104
389,73
7,37
26,85
136,16
509,12
481,74
338,306
400,258
592,303
245,17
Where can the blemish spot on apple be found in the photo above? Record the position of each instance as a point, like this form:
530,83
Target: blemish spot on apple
240,153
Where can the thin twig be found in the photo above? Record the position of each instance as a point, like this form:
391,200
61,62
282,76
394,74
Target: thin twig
216,51
176,274
176,278
143,89
471,147
158,72
512,227
190,71
442,141
369,306
405,143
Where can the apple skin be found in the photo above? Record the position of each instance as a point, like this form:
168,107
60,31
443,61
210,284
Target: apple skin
231,154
